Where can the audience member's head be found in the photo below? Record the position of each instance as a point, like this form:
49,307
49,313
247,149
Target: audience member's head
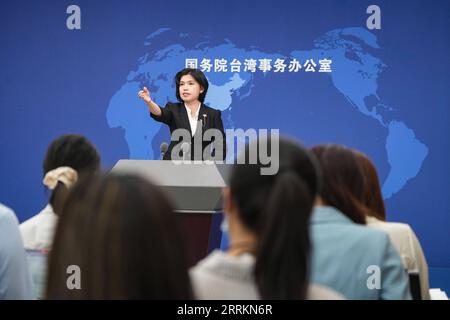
68,158
371,197
122,233
343,183
276,210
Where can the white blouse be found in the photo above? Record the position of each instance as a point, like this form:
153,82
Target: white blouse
37,232
193,118
408,246
220,276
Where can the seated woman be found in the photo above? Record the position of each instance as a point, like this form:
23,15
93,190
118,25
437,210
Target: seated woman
67,158
15,280
351,258
402,236
120,234
268,217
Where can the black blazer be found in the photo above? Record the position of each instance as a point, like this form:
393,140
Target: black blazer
175,116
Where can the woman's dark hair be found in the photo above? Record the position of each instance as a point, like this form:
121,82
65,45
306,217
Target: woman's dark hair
122,233
198,76
371,197
343,183
277,209
73,151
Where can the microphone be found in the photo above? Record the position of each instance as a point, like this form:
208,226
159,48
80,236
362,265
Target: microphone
204,119
185,149
163,148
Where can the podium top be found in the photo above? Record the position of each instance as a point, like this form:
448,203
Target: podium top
194,187
168,173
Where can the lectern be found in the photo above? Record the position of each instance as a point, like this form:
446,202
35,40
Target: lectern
195,189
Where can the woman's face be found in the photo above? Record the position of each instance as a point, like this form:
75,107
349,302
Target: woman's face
189,89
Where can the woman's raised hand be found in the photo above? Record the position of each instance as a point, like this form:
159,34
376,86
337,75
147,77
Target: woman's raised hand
144,94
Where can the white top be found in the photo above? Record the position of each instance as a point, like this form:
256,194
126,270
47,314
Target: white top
15,280
37,232
405,241
193,118
220,276
438,294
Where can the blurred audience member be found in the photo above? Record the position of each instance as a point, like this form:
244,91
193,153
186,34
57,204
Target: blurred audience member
119,237
268,218
357,261
402,236
67,158
15,281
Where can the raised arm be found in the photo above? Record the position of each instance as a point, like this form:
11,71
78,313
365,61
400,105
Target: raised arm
144,94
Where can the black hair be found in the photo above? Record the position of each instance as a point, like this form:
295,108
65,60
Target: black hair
277,209
73,151
198,76
122,233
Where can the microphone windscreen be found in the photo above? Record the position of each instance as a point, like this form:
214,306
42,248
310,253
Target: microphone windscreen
163,147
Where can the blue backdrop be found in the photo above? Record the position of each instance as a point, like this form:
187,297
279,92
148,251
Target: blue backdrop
387,93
